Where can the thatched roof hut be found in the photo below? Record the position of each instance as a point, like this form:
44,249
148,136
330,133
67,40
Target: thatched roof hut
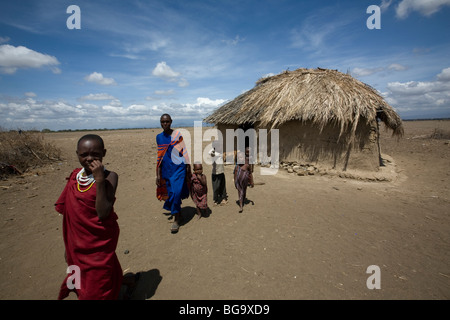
321,114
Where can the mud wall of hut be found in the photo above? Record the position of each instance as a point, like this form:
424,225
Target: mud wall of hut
305,143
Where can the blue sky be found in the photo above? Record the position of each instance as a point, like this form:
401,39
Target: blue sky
131,61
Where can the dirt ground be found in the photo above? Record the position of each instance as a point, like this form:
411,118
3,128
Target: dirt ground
301,237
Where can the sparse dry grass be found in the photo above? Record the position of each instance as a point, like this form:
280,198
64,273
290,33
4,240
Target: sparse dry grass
25,150
440,134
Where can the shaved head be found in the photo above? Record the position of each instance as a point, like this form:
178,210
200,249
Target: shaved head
93,137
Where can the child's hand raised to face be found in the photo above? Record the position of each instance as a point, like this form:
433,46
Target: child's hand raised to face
97,169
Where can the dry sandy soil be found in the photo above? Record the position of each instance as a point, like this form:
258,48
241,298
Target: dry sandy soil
303,237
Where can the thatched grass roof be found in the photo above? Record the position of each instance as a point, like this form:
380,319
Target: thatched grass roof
319,95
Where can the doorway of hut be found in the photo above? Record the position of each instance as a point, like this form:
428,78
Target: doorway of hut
245,126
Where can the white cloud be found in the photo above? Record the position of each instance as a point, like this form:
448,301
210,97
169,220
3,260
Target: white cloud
397,67
99,79
126,56
441,84
150,98
162,70
444,75
309,37
56,70
235,41
30,94
97,96
165,92
154,41
421,97
424,7
4,39
200,109
421,50
183,83
417,87
188,112
317,30
385,4
116,110
209,102
13,58
267,75
28,110
363,72
28,113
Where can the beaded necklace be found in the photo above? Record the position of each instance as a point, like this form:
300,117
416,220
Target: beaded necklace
83,180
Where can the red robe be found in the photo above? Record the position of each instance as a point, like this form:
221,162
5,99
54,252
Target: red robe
199,192
90,244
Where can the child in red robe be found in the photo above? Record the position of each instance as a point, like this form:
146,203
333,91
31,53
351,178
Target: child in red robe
243,177
199,189
90,228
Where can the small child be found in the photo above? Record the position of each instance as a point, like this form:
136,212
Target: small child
218,178
199,189
90,228
242,178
